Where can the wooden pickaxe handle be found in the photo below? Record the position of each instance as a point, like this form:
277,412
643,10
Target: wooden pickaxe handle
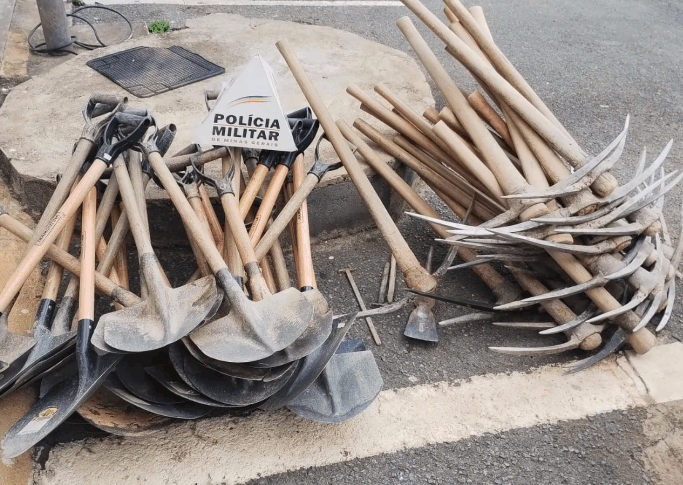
414,274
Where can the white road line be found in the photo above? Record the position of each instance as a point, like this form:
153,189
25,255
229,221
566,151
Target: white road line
236,450
267,3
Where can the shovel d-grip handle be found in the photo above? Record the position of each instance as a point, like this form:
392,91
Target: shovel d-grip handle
110,149
414,273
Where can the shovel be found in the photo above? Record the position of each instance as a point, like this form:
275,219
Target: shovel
252,329
106,153
62,400
349,384
167,314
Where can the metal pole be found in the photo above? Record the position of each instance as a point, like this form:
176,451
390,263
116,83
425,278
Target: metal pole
55,28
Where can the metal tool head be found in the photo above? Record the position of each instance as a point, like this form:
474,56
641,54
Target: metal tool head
62,400
231,390
14,348
49,348
668,310
421,323
253,330
349,384
131,372
181,410
241,371
584,176
167,315
167,376
320,168
309,368
312,338
618,339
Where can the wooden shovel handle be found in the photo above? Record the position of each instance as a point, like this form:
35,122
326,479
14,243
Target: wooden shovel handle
231,255
258,225
214,223
305,271
86,292
61,192
285,216
415,275
192,223
257,284
70,263
35,253
56,271
121,263
252,189
198,208
280,267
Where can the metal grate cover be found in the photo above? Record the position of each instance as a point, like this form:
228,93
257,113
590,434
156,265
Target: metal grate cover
147,71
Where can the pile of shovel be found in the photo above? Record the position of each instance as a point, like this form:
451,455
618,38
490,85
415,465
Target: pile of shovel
532,213
236,337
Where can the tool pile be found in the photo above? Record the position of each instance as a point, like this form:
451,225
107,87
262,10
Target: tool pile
590,251
236,337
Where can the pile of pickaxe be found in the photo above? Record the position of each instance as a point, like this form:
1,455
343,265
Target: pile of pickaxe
236,337
596,255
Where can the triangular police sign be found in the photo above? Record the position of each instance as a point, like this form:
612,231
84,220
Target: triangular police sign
248,113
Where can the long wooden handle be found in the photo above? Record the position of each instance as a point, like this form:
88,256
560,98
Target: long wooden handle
198,208
192,223
642,340
258,225
135,218
555,136
86,295
61,192
70,263
425,172
415,275
252,188
495,281
231,255
56,271
469,160
305,271
280,267
510,180
34,254
285,216
257,283
214,223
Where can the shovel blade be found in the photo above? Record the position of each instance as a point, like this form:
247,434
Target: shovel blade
348,385
13,346
167,315
255,330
